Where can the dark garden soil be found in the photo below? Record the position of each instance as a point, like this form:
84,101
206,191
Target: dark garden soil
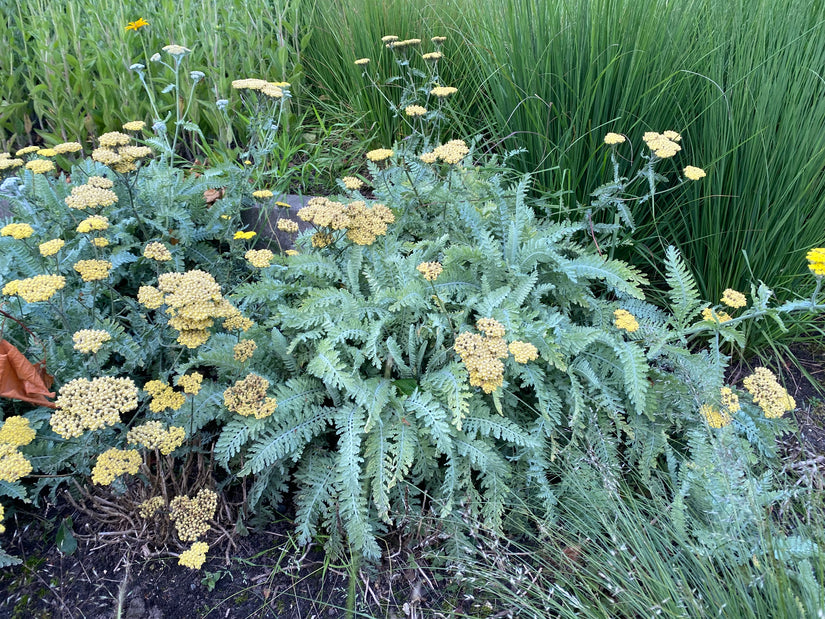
265,574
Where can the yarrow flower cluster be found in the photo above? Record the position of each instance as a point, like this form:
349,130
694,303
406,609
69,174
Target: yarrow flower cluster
352,183
482,354
259,258
415,110
134,125
732,298
84,404
113,463
816,261
50,248
195,557
95,223
722,416
16,431
443,92
116,152
451,152
90,340
35,289
192,515
93,270
262,193
150,507
248,397
191,383
152,435
40,166
240,234
625,320
244,350
273,90
614,138
663,145
193,301
13,464
17,231
95,193
157,251
163,396
380,154
715,316
9,163
288,225
693,173
430,270
768,394
238,321
523,351
363,225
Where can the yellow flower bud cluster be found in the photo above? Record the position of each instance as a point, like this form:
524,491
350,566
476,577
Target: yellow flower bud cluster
768,394
94,194
732,298
192,516
92,404
40,166
26,150
713,316
191,383
379,154
238,321
816,261
273,90
625,320
134,125
163,396
150,507
240,234
34,289
262,194
443,91
259,258
50,248
93,270
363,225
157,251
17,231
193,301
523,351
415,110
93,223
150,297
16,431
67,147
115,462
152,435
2,515
195,556
321,239
100,242
13,464
288,225
116,152
7,163
247,397
663,145
430,270
90,340
451,152
693,173
614,138
352,183
721,417
244,350
714,417
482,354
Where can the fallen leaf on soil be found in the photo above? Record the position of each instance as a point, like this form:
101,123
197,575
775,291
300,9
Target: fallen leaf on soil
213,195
